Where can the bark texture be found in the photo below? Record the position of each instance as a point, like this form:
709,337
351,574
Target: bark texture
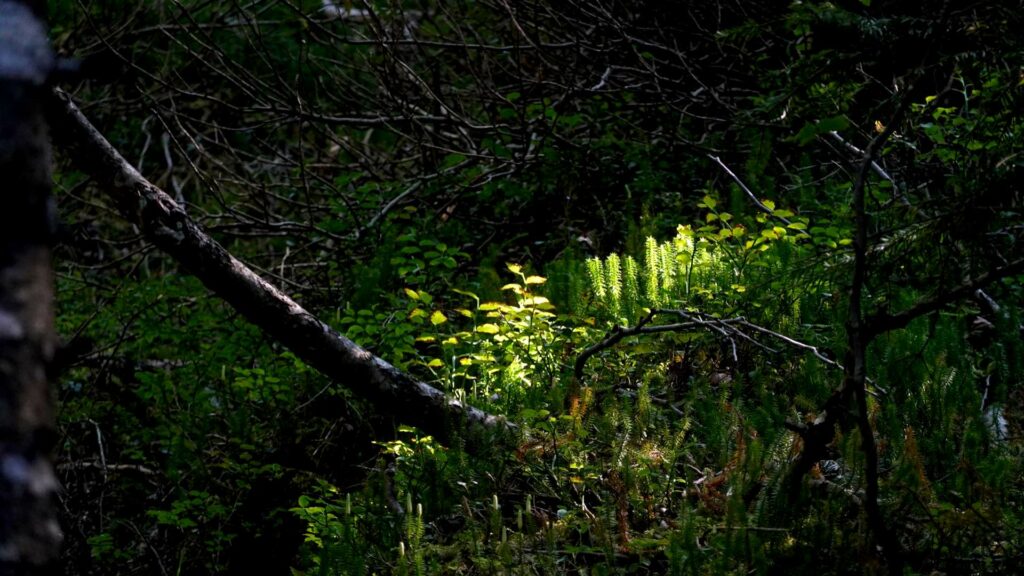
30,535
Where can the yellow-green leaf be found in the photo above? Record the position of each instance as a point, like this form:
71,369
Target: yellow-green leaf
465,293
435,363
412,294
535,301
487,328
438,318
536,279
514,268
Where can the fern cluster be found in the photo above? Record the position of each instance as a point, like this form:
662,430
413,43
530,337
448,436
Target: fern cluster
673,273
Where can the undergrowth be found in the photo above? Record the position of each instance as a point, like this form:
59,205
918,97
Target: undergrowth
668,452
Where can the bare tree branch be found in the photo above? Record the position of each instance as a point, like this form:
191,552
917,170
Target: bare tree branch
750,194
881,322
166,225
728,328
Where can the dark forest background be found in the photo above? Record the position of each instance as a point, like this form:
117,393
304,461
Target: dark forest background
746,276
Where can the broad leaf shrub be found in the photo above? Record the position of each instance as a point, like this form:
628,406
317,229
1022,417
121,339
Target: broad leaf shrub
669,456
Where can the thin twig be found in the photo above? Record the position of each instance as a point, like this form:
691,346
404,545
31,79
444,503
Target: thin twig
753,198
795,343
874,165
727,328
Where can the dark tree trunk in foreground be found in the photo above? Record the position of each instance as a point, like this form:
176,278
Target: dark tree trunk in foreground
30,535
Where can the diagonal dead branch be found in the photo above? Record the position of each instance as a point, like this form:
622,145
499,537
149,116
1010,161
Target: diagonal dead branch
167,225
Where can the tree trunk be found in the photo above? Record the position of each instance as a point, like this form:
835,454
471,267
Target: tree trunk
30,535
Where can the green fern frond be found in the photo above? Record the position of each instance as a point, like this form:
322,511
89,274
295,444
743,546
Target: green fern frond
668,267
631,304
613,283
652,272
595,273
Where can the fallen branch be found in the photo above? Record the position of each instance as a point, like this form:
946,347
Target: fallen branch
728,328
645,327
166,224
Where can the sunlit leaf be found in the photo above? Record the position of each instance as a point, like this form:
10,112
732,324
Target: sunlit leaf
466,293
